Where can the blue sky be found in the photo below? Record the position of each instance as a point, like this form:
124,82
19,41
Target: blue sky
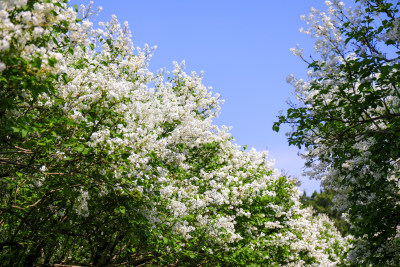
243,49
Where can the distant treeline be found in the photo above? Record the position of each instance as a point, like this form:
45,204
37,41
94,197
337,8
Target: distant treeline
322,204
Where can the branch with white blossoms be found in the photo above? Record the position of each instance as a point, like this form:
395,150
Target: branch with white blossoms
347,119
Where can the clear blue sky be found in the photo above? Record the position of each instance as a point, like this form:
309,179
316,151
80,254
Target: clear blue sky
243,49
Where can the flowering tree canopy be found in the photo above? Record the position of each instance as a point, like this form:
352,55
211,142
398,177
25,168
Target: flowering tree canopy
348,120
104,163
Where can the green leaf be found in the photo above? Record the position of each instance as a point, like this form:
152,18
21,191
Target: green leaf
54,13
65,77
275,127
24,132
122,209
37,62
15,129
85,151
79,148
52,62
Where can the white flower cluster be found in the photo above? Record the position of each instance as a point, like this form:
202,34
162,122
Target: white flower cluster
81,204
28,26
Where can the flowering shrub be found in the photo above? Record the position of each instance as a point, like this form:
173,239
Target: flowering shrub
104,163
348,121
